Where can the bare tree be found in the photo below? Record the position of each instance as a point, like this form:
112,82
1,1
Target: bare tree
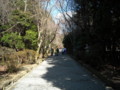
25,8
5,11
38,8
68,23
46,34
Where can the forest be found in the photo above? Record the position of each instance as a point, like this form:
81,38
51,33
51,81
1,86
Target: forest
91,35
27,32
95,36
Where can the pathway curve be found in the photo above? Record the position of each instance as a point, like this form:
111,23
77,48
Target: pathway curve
59,73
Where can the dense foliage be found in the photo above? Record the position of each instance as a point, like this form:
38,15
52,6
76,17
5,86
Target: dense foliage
13,40
96,38
20,31
26,28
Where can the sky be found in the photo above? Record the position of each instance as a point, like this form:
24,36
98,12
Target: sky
56,12
52,5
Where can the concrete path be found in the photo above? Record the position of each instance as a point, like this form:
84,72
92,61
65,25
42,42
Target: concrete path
59,73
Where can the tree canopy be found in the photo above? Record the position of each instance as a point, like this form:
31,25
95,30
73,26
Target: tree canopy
96,38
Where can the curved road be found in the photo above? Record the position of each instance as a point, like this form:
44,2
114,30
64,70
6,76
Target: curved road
59,73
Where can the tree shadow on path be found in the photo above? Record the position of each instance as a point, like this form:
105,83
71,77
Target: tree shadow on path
66,74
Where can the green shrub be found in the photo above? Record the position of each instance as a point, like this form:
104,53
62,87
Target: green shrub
13,40
31,39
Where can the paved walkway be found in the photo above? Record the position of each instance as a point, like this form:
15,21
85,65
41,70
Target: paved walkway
59,73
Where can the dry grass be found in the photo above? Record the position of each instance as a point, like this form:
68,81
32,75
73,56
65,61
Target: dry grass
11,61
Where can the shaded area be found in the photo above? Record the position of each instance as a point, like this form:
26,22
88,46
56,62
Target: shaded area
59,73
67,75
94,38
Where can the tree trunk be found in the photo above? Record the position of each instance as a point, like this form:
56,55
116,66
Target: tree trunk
25,8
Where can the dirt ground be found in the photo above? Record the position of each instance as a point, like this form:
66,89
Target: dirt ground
112,74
